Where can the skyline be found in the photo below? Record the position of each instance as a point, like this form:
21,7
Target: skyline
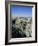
20,11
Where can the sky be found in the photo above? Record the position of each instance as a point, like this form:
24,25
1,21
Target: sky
21,11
